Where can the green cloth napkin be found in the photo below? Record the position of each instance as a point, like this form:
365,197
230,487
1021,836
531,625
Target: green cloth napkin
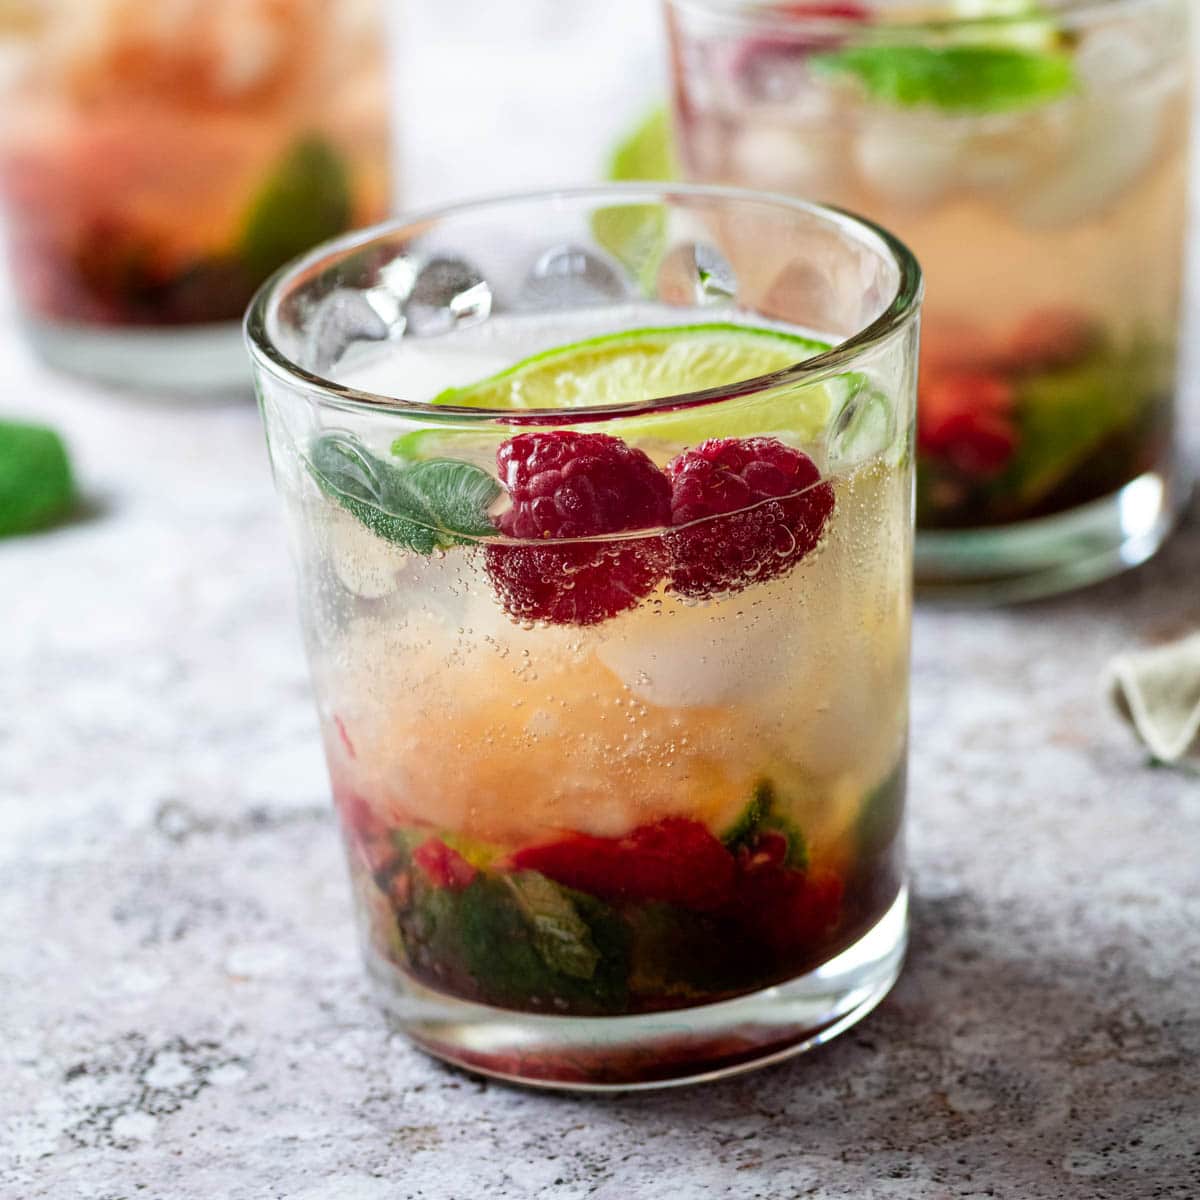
37,487
1158,692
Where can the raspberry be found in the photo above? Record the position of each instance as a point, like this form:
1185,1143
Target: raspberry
790,911
750,509
442,866
368,834
675,861
966,420
577,485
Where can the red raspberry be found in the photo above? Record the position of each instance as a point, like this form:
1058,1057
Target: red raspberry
442,866
793,912
966,419
750,509
761,64
577,485
368,834
675,861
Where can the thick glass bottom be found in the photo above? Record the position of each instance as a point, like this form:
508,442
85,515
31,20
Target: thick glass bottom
1044,557
180,363
658,1049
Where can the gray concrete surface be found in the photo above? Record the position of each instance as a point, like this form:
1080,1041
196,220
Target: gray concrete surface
182,1012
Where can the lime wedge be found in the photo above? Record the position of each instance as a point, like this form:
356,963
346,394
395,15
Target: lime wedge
647,364
647,151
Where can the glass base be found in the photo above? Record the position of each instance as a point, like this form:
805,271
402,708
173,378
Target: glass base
1055,554
653,1050
189,363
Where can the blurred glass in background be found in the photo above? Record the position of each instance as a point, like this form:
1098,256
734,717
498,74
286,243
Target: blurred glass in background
1035,157
159,160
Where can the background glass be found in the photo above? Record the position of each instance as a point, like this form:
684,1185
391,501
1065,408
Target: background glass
159,161
470,751
1042,181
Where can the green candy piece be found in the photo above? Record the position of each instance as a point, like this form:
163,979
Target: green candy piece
37,487
306,201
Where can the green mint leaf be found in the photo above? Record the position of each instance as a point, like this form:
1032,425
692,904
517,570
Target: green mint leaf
515,941
560,934
750,820
880,817
762,815
428,506
964,79
1067,415
37,487
456,494
306,200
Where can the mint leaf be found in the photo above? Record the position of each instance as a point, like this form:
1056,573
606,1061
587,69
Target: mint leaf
964,79
762,815
882,812
1067,415
307,200
750,820
424,507
37,487
522,950
456,495
560,934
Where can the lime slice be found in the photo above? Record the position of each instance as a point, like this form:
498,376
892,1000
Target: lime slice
637,365
647,151
1025,24
647,364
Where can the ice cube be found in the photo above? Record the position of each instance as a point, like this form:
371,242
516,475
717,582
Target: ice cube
448,293
785,158
347,316
1115,141
686,658
571,275
865,427
910,160
1114,129
365,565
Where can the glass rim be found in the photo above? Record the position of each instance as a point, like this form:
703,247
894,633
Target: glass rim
900,311
758,14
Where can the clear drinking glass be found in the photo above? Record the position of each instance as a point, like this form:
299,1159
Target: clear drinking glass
158,161
1035,157
622,809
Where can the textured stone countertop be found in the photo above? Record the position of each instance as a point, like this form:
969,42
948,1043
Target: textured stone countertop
182,1012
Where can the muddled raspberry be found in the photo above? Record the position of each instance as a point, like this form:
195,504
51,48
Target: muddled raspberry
791,911
566,485
745,510
966,419
366,833
674,861
443,866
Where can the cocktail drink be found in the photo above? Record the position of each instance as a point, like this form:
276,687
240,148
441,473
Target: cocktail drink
1035,156
159,160
602,515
